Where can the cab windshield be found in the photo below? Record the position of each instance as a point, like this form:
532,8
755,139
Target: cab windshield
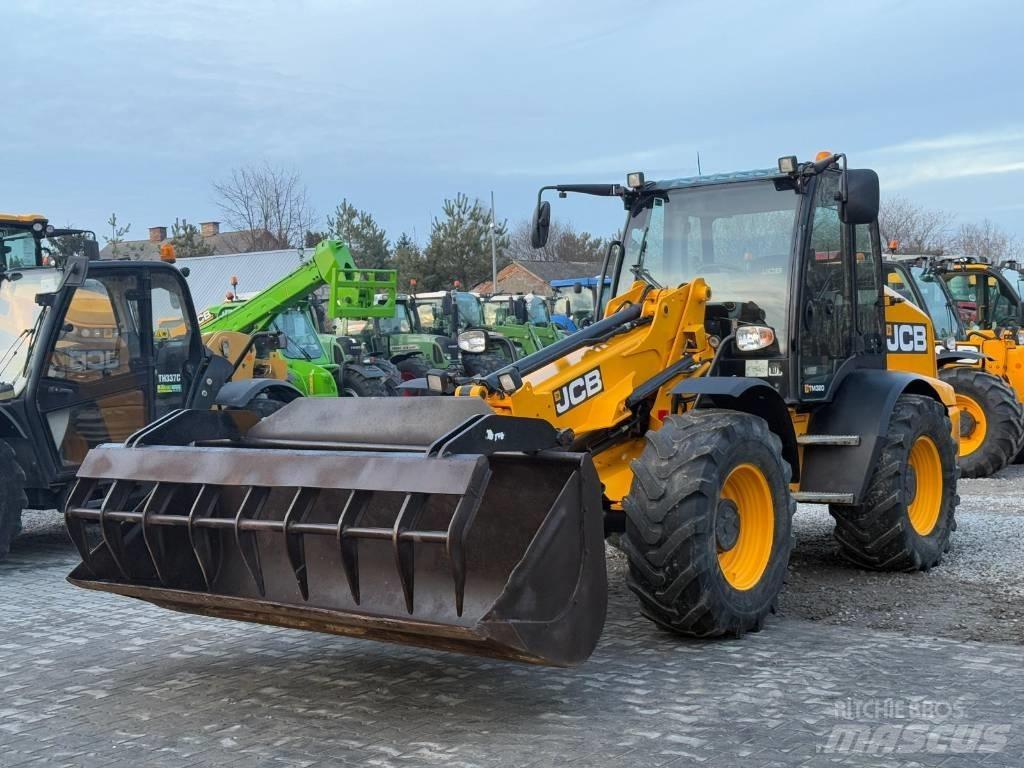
737,236
19,314
937,304
431,312
1015,279
537,310
400,323
581,304
302,340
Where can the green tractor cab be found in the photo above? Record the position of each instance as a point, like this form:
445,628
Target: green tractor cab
523,319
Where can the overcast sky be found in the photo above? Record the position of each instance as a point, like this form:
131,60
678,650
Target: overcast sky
136,107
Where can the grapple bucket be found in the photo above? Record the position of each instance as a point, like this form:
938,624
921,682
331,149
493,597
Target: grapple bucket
455,529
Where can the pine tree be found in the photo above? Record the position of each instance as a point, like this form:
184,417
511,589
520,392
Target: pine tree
364,237
188,242
460,245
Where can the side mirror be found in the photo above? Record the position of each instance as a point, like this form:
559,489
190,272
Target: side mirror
91,249
862,196
541,224
447,303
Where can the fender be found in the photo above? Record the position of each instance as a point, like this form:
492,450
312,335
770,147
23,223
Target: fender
367,370
862,406
747,395
9,427
237,394
403,356
949,357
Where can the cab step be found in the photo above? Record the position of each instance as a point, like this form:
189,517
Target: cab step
814,497
828,440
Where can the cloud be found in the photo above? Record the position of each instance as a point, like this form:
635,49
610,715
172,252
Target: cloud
952,156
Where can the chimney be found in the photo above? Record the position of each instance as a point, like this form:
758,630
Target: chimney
209,228
157,234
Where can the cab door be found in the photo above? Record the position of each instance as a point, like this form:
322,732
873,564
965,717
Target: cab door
175,339
826,314
95,384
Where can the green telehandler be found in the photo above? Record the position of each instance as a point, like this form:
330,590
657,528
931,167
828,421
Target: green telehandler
319,365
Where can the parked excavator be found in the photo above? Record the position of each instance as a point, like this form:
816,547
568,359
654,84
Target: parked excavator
740,366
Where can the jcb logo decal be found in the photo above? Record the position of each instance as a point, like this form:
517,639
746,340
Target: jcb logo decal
906,337
576,391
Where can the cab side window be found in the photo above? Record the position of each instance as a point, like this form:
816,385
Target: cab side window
173,339
95,342
826,311
868,291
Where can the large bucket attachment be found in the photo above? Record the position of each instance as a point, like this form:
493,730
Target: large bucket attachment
448,527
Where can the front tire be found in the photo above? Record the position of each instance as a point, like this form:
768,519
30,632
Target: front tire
482,363
991,421
12,498
709,523
908,512
355,384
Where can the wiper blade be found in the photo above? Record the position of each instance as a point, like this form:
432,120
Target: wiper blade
8,356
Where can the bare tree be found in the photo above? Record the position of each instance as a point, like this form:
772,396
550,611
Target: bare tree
987,240
564,244
915,229
270,205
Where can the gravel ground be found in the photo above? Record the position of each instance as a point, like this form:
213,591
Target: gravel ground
976,594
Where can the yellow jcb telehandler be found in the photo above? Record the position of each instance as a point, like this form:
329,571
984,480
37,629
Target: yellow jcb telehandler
991,416
740,366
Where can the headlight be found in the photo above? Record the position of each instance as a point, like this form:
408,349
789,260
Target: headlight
750,338
950,343
473,341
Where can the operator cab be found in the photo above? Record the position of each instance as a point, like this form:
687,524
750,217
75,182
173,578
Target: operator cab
792,258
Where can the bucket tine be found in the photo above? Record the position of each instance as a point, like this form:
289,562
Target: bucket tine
462,519
111,530
202,547
300,506
404,544
156,504
348,546
250,509
80,492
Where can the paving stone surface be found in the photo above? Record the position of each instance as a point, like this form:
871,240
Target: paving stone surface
89,679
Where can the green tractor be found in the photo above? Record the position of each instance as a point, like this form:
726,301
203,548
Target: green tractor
442,330
319,364
522,319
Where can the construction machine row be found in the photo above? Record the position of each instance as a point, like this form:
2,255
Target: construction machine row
747,351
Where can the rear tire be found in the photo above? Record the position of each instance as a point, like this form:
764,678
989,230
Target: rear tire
482,363
12,498
414,367
264,405
991,421
908,512
709,523
355,384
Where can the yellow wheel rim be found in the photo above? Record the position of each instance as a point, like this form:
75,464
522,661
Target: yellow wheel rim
923,509
973,429
744,562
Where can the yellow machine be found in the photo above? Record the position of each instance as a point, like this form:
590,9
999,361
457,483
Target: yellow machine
741,365
985,367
